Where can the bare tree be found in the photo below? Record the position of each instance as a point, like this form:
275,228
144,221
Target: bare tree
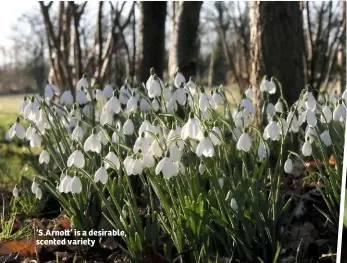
184,48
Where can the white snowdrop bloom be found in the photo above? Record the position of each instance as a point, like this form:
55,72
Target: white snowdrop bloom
145,105
50,90
306,148
180,96
81,97
102,138
101,175
75,185
272,131
23,105
201,168
302,118
113,105
236,134
233,204
179,79
249,93
77,134
217,99
175,153
76,159
221,182
34,187
181,168
106,117
17,130
311,133
111,160
128,161
192,86
279,106
155,105
154,86
66,98
205,147
82,83
284,126
128,127
136,167
124,94
263,150
146,128
171,106
270,109
325,137
244,143
148,160
288,166
326,115
155,149
344,95
268,86
108,91
87,111
311,118
241,119
192,129
15,191
310,102
132,104
216,136
38,193
30,111
44,157
35,140
339,113
204,103
64,184
167,94
248,106
167,167
92,143
142,143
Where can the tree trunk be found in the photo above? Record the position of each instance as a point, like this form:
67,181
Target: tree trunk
342,50
151,45
184,48
277,46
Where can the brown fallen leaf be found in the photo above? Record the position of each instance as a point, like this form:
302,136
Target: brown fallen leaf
25,247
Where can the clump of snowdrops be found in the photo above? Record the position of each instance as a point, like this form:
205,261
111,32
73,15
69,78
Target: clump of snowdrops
162,163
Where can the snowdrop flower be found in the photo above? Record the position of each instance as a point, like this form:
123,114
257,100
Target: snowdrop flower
17,130
217,99
180,96
38,193
179,78
128,127
124,93
145,105
310,102
279,106
102,138
270,109
154,86
113,104
101,175
82,83
92,143
201,168
311,133
155,149
344,95
31,110
77,133
136,167
142,143
268,86
75,185
272,131
148,160
339,113
155,105
244,143
64,184
50,91
205,147
81,97
204,103
132,103
325,137
66,98
35,140
76,159
288,166
306,148
15,191
326,115
311,118
34,186
263,150
241,119
192,129
23,105
106,117
221,182
216,136
110,160
108,91
249,93
248,106
171,106
167,167
44,157
191,86
233,204
128,164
